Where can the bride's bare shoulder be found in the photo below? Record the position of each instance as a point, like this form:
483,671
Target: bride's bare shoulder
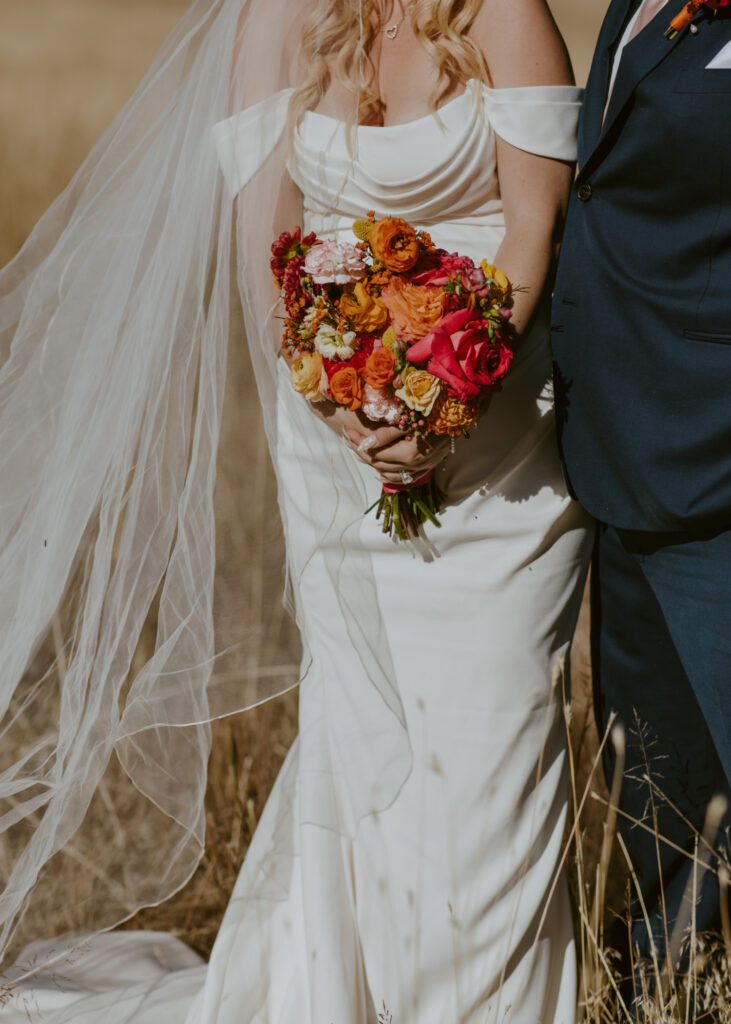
521,44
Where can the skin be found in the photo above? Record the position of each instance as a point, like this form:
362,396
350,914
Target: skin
521,46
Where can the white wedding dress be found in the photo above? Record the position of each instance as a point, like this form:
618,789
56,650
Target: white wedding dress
446,907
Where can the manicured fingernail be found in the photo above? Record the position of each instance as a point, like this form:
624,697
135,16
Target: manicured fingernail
366,443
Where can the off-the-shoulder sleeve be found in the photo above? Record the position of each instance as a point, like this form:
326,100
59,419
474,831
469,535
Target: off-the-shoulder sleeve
540,119
245,140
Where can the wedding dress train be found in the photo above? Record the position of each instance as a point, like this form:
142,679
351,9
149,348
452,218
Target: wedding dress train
447,905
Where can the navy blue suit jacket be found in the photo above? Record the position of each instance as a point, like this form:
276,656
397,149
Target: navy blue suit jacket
641,323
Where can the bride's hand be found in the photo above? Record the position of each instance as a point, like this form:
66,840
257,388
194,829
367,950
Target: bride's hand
358,433
413,455
386,449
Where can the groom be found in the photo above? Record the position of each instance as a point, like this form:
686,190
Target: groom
642,345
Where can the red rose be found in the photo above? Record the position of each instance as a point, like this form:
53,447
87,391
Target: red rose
357,361
460,352
442,268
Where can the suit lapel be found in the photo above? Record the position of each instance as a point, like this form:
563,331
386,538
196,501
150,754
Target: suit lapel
639,58
598,83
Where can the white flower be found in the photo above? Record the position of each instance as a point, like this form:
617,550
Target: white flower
330,343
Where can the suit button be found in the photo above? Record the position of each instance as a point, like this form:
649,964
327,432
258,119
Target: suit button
584,191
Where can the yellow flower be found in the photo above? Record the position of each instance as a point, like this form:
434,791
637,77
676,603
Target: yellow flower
308,376
362,228
497,282
419,390
391,340
364,312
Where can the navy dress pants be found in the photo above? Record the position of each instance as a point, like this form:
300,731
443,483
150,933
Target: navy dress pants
661,651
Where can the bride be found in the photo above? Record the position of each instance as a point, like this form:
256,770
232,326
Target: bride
408,859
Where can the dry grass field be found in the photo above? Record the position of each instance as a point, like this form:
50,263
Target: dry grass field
66,66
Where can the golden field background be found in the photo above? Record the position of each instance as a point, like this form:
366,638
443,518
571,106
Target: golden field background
66,67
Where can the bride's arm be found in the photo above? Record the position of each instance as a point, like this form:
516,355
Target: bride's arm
523,47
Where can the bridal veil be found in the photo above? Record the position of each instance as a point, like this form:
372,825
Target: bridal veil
114,325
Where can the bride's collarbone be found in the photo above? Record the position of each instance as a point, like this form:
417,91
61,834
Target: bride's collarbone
392,112
402,92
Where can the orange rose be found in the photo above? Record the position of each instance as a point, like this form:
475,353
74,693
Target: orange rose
364,312
394,244
380,368
415,309
345,387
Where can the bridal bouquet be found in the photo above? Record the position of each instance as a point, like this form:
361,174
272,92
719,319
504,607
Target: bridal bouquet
408,334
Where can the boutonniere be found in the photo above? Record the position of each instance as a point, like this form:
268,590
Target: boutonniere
689,11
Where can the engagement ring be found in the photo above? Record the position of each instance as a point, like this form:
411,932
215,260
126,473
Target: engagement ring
406,477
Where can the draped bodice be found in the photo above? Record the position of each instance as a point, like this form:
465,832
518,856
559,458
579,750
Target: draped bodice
438,171
428,171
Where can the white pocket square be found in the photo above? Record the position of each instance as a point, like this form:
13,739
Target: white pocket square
721,60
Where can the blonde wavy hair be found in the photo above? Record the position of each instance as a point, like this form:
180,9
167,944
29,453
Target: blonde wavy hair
338,40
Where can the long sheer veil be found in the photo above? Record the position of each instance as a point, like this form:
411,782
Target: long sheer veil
114,327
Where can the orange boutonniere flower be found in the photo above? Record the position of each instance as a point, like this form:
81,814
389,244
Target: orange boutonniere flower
688,13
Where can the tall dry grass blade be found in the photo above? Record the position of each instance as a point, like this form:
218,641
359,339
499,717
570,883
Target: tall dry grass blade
647,778
589,963
571,838
610,828
636,970
637,823
690,981
678,813
725,922
605,964
714,816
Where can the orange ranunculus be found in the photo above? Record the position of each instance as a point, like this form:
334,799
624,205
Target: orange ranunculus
380,368
394,244
345,387
415,309
363,310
